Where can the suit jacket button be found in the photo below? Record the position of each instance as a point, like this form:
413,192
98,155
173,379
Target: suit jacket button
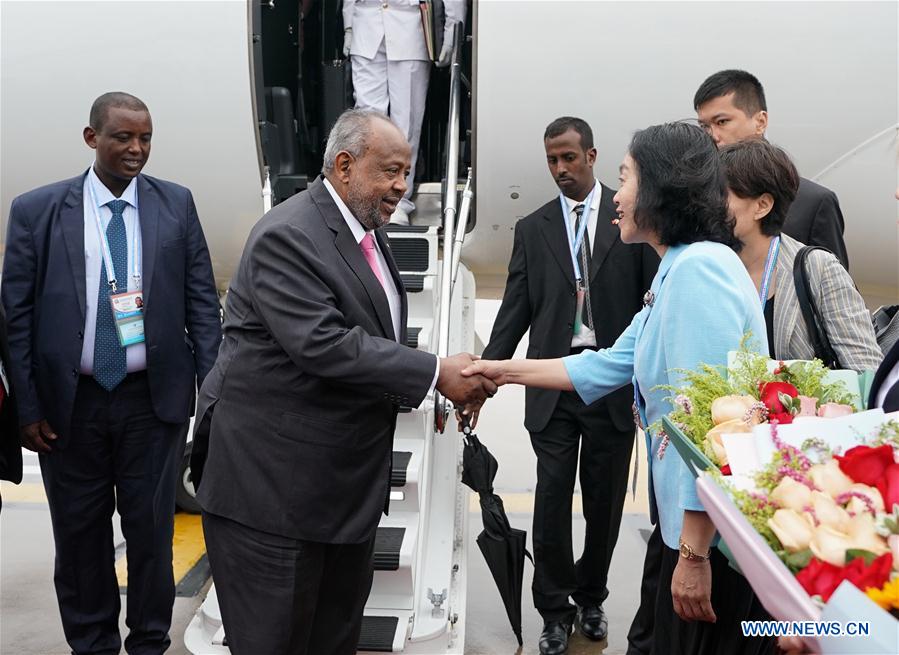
80,335
74,372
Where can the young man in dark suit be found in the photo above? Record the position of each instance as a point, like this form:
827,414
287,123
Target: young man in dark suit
104,393
575,285
731,107
297,463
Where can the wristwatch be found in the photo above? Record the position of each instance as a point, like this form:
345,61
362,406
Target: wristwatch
687,552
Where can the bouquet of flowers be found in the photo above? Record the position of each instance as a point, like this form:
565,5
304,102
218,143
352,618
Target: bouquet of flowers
830,517
714,401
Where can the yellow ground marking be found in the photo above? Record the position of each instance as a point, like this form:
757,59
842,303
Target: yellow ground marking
188,546
28,492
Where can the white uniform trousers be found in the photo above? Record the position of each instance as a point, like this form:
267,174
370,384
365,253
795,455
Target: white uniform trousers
398,89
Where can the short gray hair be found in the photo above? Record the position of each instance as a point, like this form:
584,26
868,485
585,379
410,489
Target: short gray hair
350,133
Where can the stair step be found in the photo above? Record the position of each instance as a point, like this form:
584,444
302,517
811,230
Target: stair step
413,283
391,229
388,543
377,633
412,254
412,336
383,631
400,468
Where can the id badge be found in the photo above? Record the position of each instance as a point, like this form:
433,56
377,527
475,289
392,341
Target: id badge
578,314
128,313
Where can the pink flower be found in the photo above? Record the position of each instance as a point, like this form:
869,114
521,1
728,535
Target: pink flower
808,406
834,410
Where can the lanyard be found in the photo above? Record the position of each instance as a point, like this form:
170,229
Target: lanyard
104,247
575,240
770,263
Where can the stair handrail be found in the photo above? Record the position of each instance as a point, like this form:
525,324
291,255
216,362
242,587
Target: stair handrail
462,229
441,411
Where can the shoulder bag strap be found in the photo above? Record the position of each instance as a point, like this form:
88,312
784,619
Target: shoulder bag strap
813,321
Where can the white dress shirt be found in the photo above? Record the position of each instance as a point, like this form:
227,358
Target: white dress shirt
393,296
136,355
585,337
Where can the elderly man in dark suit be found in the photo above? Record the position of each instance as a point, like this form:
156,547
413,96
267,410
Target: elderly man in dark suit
296,420
731,107
576,286
10,450
104,389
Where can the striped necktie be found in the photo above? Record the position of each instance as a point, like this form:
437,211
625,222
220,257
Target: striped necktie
584,260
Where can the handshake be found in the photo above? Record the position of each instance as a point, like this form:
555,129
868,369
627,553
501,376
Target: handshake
467,382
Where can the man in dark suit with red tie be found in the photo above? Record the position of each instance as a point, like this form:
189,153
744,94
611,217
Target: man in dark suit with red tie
104,393
296,420
575,286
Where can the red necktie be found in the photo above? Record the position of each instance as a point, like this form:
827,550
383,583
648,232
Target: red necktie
368,250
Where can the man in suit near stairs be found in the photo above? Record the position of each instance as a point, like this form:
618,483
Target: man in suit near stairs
574,285
296,420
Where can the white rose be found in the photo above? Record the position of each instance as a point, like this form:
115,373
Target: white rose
791,529
829,478
830,545
791,495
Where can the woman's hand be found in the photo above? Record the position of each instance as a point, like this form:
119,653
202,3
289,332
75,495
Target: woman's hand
691,590
496,370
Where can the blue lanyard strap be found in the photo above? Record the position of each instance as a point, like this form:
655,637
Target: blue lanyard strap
770,264
104,246
575,240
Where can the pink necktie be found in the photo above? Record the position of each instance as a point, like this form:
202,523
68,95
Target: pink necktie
368,249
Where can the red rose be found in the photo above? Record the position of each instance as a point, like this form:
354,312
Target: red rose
868,465
768,394
725,470
781,417
822,578
891,484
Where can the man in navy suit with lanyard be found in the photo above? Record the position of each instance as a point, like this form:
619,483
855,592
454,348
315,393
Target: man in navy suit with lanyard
105,385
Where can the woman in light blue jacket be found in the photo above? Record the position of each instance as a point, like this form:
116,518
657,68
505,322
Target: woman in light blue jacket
701,303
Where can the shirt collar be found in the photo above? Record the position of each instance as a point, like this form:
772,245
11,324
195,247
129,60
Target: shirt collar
353,223
572,203
104,195
667,262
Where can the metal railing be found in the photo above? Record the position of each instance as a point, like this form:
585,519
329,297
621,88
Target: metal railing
453,235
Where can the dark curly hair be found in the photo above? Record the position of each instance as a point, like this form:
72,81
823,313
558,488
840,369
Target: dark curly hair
682,193
755,167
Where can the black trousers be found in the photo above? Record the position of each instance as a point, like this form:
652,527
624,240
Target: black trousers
732,600
119,456
282,596
605,455
639,637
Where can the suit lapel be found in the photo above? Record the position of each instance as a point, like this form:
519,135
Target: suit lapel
786,307
352,254
553,229
606,233
892,357
71,219
384,245
148,208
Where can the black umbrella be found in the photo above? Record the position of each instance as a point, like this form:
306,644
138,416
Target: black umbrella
502,545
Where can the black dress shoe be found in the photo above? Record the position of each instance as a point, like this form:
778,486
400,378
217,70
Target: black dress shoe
593,622
554,639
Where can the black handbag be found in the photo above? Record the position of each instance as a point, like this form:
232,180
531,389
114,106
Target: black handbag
813,321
